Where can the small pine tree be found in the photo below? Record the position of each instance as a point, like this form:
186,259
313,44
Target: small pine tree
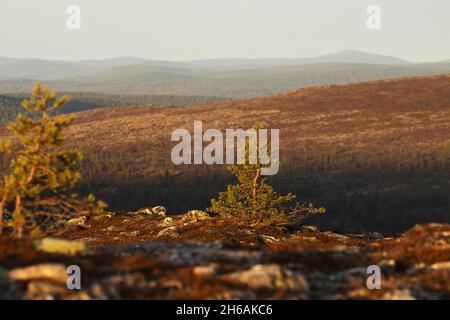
254,201
42,169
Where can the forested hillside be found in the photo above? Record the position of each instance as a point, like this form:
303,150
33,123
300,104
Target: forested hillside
375,154
80,101
233,82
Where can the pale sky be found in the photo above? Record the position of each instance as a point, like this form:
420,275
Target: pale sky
416,30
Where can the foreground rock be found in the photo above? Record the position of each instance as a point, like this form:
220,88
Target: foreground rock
172,232
271,276
194,216
136,257
156,211
81,221
47,271
59,246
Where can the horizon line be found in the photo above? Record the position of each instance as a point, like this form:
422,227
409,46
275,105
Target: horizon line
217,58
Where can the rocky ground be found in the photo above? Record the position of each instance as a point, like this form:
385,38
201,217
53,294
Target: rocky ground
148,255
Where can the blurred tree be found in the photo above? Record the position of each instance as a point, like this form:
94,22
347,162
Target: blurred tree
42,169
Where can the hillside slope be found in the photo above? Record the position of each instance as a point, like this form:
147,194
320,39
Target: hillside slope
126,257
33,68
376,154
80,101
243,82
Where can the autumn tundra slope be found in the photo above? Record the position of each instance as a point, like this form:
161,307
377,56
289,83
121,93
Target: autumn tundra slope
375,154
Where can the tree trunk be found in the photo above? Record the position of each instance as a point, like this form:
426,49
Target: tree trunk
255,182
18,225
2,207
255,185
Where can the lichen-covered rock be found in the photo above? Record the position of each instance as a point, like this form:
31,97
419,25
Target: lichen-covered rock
167,221
169,232
206,271
106,215
46,271
271,276
399,294
445,265
63,247
310,228
194,216
80,221
133,263
157,211
268,239
42,290
144,211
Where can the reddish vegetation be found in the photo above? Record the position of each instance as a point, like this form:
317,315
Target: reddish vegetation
375,154
129,228
385,141
419,245
365,115
130,261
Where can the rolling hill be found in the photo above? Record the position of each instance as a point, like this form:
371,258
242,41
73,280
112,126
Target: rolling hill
376,154
346,56
233,83
80,101
228,78
42,69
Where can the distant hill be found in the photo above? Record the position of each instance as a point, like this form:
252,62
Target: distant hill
230,83
348,56
42,69
376,154
353,56
228,78
130,71
32,68
116,62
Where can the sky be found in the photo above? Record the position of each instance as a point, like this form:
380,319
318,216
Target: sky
415,30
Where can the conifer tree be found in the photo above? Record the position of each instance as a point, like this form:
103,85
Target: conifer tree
252,200
42,170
